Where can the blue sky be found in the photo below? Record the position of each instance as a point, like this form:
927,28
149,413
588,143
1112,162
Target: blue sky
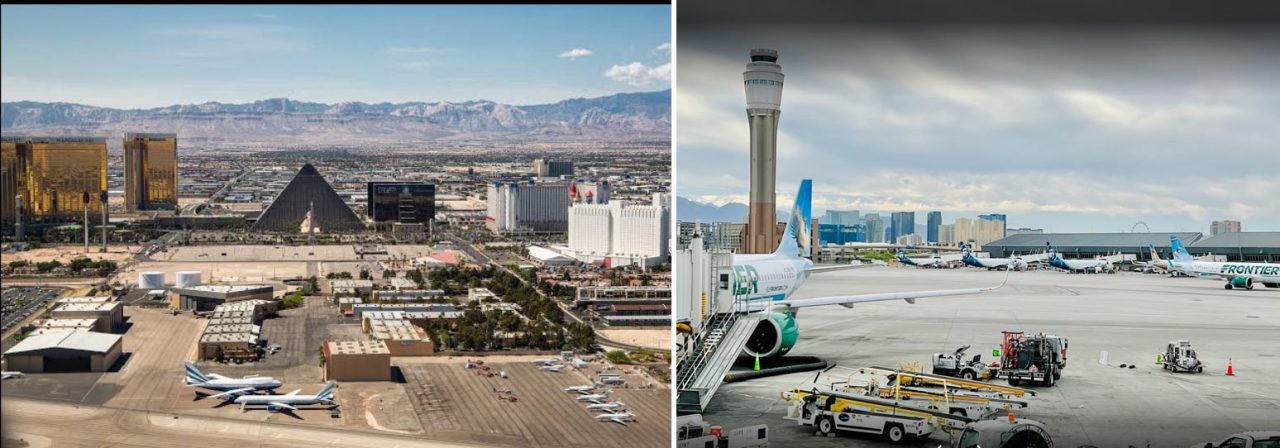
150,56
1087,129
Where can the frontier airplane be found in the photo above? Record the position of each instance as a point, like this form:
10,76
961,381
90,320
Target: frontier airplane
766,282
1237,275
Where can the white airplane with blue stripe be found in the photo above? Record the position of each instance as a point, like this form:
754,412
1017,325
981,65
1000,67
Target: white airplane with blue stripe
935,262
1237,275
213,381
764,283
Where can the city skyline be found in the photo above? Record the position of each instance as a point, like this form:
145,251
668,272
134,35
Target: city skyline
237,54
1070,130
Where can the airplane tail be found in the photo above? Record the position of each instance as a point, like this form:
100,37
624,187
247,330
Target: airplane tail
327,392
1053,254
796,239
965,252
1179,251
194,375
1155,256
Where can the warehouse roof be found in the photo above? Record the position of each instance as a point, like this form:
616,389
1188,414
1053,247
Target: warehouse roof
71,340
1241,239
357,348
1158,239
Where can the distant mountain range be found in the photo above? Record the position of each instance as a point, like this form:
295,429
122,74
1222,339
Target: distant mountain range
690,211
621,117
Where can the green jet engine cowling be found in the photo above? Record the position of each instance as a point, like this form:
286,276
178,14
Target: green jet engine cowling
773,336
1241,282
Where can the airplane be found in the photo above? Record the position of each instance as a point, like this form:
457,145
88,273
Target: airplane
580,389
7,374
275,402
596,398
617,417
1090,266
605,406
546,361
196,378
966,256
763,283
579,363
935,262
1237,275
552,368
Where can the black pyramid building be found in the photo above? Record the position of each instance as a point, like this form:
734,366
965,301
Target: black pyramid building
308,192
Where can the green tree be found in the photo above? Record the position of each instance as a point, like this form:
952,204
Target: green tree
387,273
581,336
618,357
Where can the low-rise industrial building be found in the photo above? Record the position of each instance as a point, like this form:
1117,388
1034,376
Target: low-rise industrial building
53,325
229,346
359,309
345,304
65,351
402,337
207,297
109,315
407,295
357,361
635,314
351,287
481,295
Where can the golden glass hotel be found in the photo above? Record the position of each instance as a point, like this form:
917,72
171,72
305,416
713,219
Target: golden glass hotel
150,171
53,175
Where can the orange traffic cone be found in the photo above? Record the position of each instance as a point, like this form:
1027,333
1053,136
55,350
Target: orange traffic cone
1231,371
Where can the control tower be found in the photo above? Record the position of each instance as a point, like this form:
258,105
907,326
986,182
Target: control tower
763,82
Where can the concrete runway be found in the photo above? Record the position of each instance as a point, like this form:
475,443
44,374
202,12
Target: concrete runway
1131,316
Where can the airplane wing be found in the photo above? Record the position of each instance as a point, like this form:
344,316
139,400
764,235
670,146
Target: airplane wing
282,405
231,392
215,376
295,392
841,267
619,421
910,297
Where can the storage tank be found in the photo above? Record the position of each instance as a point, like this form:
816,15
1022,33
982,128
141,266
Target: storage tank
151,280
187,279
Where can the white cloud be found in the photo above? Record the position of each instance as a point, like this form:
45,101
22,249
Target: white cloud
1109,110
639,75
265,16
576,53
665,46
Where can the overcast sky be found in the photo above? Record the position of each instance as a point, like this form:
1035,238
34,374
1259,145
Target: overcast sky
1066,128
149,56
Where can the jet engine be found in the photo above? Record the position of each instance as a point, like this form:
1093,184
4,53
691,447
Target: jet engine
773,336
1240,282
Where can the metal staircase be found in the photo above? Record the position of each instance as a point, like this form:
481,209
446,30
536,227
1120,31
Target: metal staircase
700,374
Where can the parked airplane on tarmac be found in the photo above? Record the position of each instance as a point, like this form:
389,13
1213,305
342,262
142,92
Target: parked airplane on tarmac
1237,275
596,398
1090,266
612,405
552,368
277,402
213,381
966,255
764,282
581,389
935,262
617,417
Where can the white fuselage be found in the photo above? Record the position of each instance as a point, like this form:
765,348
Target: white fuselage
1268,273
258,383
992,263
764,278
1081,265
286,399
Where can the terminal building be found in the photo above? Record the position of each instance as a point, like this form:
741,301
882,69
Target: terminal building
150,171
64,351
1238,246
203,298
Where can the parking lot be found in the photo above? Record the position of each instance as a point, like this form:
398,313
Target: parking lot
455,403
22,303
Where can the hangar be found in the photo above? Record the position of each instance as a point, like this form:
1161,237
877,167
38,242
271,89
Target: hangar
65,351
1237,246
